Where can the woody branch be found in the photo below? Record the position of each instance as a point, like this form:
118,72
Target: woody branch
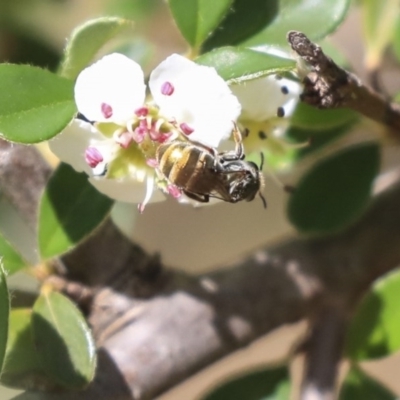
156,326
326,85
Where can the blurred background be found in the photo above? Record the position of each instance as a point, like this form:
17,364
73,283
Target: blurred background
195,240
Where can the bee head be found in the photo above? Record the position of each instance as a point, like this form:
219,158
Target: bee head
246,180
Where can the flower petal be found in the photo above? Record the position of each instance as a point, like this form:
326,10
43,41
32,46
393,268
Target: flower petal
260,98
110,90
70,145
126,190
196,96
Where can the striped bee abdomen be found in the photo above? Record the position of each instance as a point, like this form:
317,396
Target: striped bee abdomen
181,162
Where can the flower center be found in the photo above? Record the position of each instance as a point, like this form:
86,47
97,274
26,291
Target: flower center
124,139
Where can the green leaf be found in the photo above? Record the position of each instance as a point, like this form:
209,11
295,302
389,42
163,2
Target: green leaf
87,40
267,384
374,330
196,19
359,385
317,139
316,18
22,367
308,117
4,315
244,19
35,104
236,64
63,340
379,20
335,191
70,209
12,260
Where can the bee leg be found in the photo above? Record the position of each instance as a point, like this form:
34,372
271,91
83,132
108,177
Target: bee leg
239,149
238,153
202,198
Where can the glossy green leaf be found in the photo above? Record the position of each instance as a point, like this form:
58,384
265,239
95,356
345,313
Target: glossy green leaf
63,340
236,64
267,384
379,20
137,10
316,18
22,367
12,260
308,117
316,139
70,209
358,385
244,19
35,104
4,315
87,40
196,19
374,329
335,191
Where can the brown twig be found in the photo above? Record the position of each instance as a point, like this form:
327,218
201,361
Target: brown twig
323,352
329,86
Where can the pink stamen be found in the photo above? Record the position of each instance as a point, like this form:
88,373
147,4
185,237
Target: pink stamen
174,191
154,135
157,136
106,110
143,124
124,139
164,137
167,88
138,134
141,207
152,162
142,112
93,157
186,129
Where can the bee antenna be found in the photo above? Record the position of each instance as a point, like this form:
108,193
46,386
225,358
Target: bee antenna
262,160
263,199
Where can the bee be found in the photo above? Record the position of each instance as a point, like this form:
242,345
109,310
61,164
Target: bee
203,173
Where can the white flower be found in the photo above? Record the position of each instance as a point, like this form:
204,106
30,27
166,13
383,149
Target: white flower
118,149
201,99
71,145
113,89
267,98
267,104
